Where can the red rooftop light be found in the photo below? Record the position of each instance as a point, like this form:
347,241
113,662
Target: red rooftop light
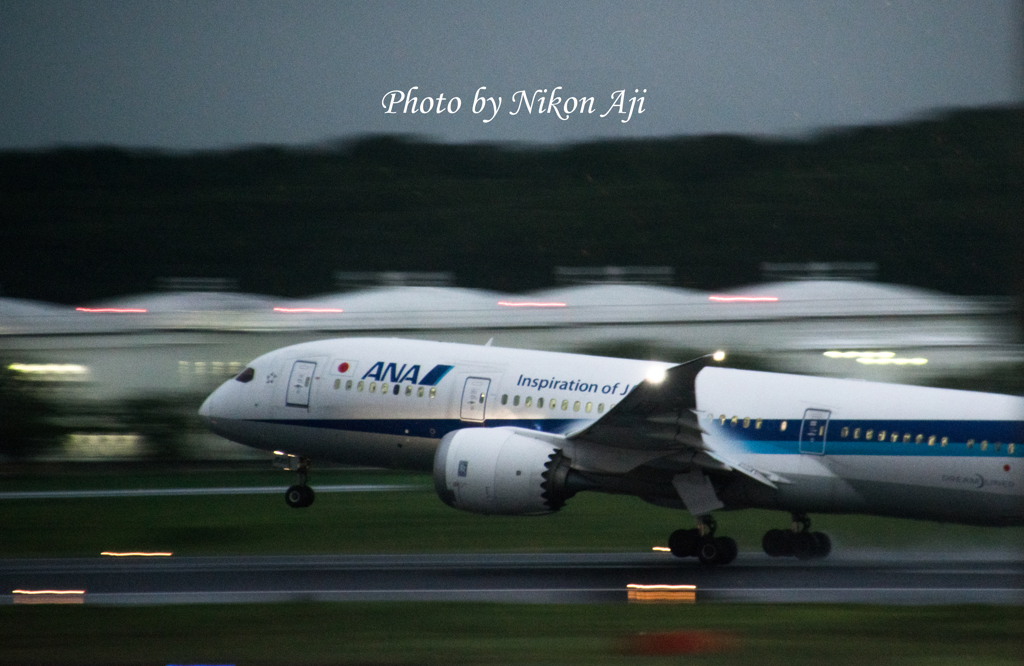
743,299
308,310
530,304
111,310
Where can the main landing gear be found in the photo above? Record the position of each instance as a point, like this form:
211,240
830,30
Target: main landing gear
799,541
702,543
300,495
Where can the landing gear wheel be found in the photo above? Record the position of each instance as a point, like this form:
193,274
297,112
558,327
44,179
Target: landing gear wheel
299,496
716,551
822,544
799,542
727,550
684,543
777,543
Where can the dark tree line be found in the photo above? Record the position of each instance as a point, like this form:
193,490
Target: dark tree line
936,203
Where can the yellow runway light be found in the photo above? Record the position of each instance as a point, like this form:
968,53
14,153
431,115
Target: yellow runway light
678,594
662,549
135,554
48,596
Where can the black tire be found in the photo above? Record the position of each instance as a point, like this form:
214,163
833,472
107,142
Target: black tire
297,497
727,550
683,543
822,544
804,545
778,543
709,551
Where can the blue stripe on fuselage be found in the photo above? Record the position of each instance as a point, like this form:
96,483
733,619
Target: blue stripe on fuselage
770,438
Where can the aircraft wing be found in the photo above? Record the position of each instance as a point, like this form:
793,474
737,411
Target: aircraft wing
654,416
662,416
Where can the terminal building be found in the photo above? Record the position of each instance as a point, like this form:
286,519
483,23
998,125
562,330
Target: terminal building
181,344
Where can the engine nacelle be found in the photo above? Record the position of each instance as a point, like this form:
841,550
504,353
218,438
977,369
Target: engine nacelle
500,471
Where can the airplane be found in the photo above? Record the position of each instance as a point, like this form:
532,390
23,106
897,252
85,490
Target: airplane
520,432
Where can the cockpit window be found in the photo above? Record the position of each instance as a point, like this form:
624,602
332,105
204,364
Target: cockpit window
245,375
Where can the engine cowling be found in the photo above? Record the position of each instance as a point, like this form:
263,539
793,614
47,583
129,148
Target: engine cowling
500,471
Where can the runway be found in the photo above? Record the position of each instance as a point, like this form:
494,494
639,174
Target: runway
893,578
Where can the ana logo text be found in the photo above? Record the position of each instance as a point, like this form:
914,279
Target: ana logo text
392,372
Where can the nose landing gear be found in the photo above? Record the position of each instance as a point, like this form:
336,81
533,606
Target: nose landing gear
799,541
702,543
300,495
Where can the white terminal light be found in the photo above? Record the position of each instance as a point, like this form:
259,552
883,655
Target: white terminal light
876,357
49,368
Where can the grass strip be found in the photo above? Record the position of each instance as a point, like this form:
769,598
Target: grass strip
414,521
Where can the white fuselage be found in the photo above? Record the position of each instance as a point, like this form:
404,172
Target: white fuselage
837,445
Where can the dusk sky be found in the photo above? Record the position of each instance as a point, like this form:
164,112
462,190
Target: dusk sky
191,74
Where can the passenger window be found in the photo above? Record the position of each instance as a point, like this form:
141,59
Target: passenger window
918,439
870,434
565,405
515,401
419,392
881,435
540,402
348,385
856,433
895,437
600,410
746,422
844,432
757,426
553,403
529,400
384,388
373,387
576,406
931,441
945,440
970,443
337,384
782,427
397,389
433,392
408,390
589,407
359,387
504,399
906,438
733,421
984,445
1009,448
999,445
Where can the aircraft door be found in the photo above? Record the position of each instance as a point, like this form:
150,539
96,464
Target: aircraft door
814,430
474,399
299,383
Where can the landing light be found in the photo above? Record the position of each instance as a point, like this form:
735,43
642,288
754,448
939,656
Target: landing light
718,355
656,375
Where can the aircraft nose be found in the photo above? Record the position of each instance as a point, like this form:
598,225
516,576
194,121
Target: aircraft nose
206,411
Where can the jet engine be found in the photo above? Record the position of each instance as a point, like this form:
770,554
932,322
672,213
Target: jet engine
500,471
